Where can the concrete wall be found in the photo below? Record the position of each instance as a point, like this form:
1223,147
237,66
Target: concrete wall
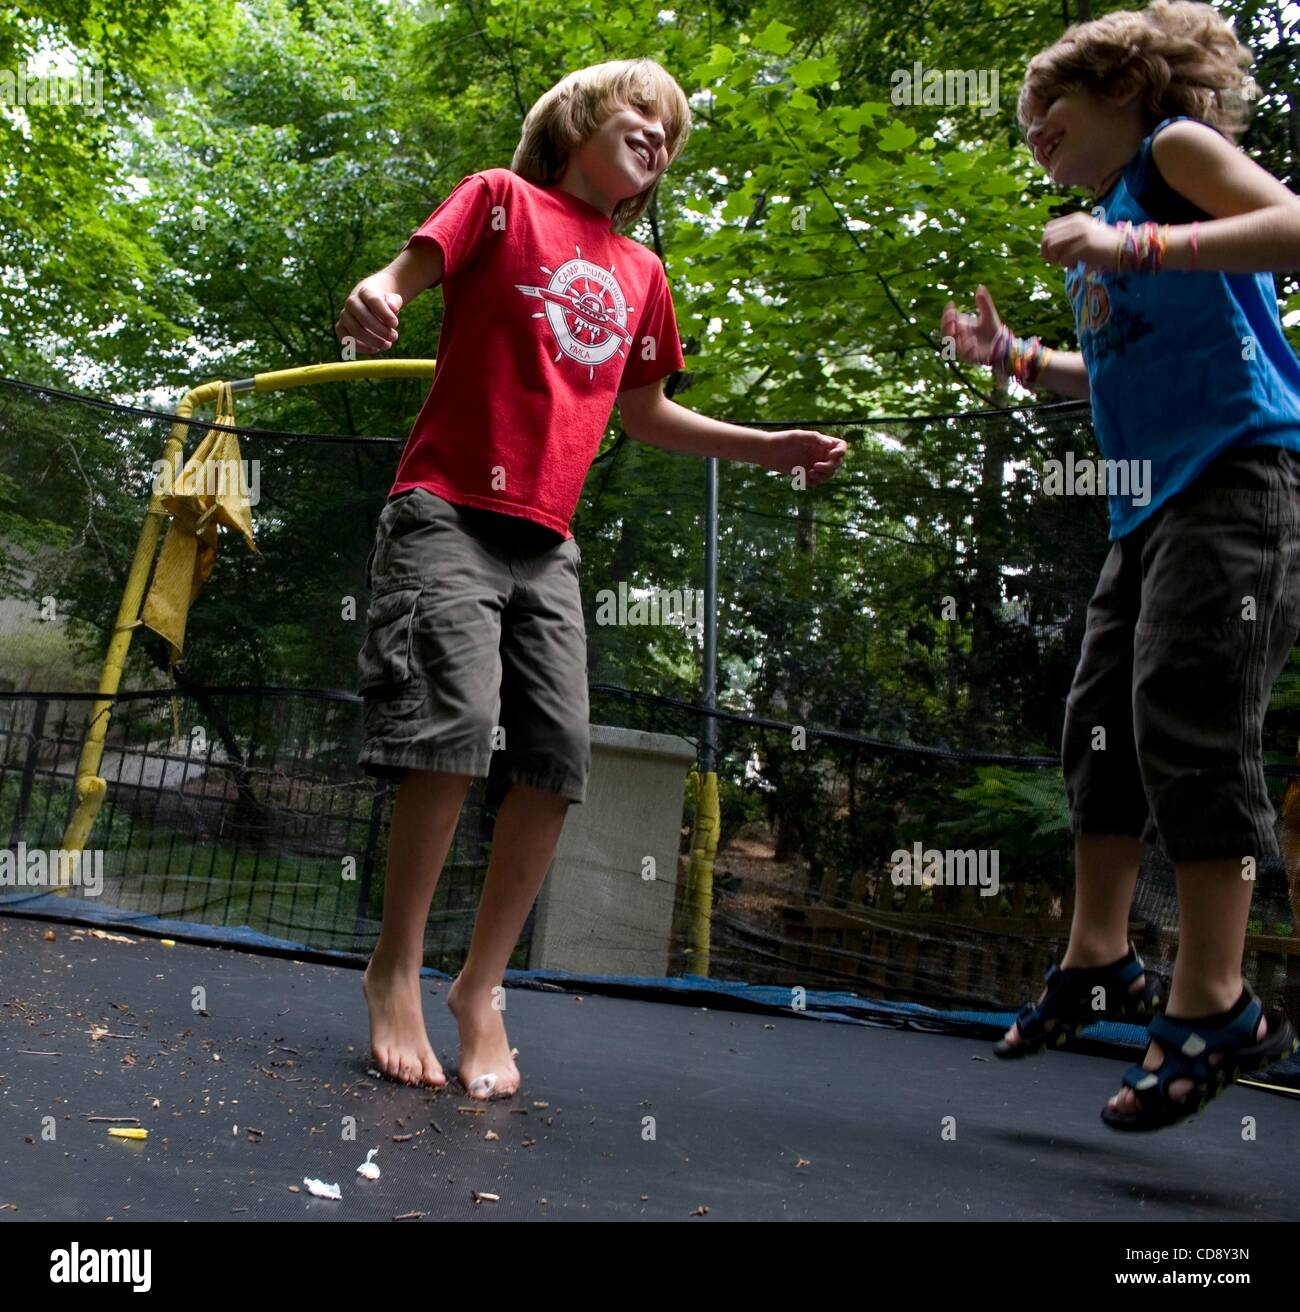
596,913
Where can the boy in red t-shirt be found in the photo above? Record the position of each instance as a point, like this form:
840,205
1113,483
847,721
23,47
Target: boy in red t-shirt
475,651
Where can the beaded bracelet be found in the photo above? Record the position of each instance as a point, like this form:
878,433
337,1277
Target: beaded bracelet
1141,249
1020,358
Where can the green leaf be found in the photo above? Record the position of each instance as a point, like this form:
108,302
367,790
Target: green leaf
814,72
895,136
852,117
999,184
864,171
720,59
774,38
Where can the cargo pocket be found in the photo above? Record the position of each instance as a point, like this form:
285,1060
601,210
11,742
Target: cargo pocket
384,662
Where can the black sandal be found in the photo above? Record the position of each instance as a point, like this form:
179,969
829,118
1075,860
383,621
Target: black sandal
1187,1046
1069,1003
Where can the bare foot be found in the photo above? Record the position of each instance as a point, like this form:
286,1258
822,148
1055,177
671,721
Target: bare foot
399,1041
1012,1036
487,1070
1126,1100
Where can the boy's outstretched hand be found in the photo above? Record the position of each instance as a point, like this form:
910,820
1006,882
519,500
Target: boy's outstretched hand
973,335
800,448
369,317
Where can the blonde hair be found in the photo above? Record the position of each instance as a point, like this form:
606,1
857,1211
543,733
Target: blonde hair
580,102
1180,56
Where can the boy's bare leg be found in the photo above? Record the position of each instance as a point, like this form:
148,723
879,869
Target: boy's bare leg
1105,875
1213,908
424,822
527,832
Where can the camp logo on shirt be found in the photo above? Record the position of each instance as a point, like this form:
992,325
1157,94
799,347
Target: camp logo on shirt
586,309
1105,324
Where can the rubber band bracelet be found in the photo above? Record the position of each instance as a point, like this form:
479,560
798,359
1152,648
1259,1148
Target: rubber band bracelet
1020,358
1141,248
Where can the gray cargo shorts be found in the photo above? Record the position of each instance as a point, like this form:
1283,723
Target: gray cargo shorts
475,657
1193,618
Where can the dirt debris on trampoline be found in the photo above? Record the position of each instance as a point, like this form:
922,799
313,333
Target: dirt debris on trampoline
252,1074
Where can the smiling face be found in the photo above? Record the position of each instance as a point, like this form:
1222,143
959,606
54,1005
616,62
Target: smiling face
1084,140
623,158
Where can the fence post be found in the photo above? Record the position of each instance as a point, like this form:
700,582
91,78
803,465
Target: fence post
29,775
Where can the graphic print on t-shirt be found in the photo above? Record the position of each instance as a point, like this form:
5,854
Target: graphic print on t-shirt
549,316
1106,324
586,309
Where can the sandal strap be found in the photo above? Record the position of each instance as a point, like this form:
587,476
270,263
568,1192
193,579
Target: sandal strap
1193,1036
1187,1046
1069,993
1031,1017
1026,1015
1129,969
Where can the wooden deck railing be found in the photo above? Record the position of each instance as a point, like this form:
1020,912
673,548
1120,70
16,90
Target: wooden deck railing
909,955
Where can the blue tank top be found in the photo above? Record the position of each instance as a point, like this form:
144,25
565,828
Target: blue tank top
1182,365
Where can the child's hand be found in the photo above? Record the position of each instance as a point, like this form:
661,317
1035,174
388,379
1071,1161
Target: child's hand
1081,237
973,335
369,316
800,448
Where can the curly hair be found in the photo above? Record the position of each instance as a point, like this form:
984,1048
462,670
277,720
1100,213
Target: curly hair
1181,57
576,106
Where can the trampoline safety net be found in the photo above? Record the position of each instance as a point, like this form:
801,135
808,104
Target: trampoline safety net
894,654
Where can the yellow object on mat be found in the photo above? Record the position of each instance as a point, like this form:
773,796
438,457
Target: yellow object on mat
210,490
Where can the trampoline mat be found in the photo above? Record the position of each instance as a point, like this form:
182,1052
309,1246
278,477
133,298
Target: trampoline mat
629,1109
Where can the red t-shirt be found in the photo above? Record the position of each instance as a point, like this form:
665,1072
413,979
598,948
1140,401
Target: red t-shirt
548,316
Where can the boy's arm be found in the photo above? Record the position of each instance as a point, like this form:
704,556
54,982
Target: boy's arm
649,416
1256,219
1065,374
369,314
1254,225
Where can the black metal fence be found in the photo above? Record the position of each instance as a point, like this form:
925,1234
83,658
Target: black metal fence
227,807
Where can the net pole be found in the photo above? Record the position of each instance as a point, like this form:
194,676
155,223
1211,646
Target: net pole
90,787
709,688
704,838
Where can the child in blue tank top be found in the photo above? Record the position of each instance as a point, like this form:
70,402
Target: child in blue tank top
1195,397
